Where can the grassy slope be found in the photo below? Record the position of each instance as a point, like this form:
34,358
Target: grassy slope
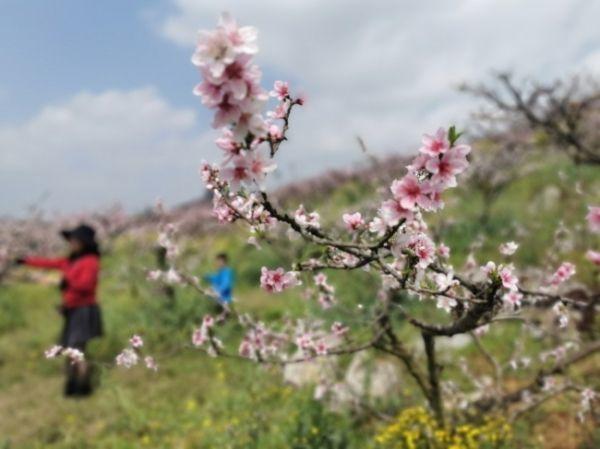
195,401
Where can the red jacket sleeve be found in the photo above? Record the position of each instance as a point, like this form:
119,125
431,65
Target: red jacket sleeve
40,262
83,276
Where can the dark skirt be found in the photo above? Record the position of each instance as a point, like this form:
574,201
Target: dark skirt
81,325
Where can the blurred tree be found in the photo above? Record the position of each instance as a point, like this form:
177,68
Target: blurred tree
565,114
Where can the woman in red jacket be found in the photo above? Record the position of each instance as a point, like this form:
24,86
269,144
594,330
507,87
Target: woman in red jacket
82,316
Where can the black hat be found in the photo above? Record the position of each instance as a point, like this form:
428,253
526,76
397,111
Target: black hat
84,233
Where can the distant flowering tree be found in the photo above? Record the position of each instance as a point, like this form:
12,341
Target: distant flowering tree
39,234
393,244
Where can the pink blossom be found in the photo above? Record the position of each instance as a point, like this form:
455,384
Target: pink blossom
423,248
209,175
444,281
392,212
562,274
243,39
433,190
237,80
136,341
275,133
304,341
326,300
409,192
378,226
223,212
349,260
279,112
218,48
172,276
150,363
508,278
199,336
321,347
339,329
73,354
250,122
443,251
280,90
228,144
508,248
246,349
320,279
513,299
593,256
53,352
488,268
446,303
260,166
353,221
208,321
418,164
214,51
228,112
304,218
561,313
275,281
446,167
436,144
593,218
238,172
127,358
588,396
210,94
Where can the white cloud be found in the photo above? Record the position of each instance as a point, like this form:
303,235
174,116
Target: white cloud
128,146
384,69
387,70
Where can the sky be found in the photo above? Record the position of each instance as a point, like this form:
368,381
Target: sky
96,103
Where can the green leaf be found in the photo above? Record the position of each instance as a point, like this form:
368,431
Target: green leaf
453,136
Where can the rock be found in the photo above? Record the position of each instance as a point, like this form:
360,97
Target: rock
340,398
311,372
455,342
373,378
550,197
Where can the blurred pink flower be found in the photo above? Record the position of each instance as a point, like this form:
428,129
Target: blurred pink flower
562,274
593,218
275,281
508,278
353,221
436,144
593,256
280,90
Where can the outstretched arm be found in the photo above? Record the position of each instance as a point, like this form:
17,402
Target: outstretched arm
41,262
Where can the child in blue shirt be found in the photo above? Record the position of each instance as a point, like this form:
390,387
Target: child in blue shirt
222,280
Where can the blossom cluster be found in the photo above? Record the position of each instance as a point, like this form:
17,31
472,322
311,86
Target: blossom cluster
131,356
562,274
395,242
261,343
202,337
231,86
72,354
326,291
278,280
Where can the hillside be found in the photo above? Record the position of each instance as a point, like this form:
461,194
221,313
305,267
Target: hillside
194,401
